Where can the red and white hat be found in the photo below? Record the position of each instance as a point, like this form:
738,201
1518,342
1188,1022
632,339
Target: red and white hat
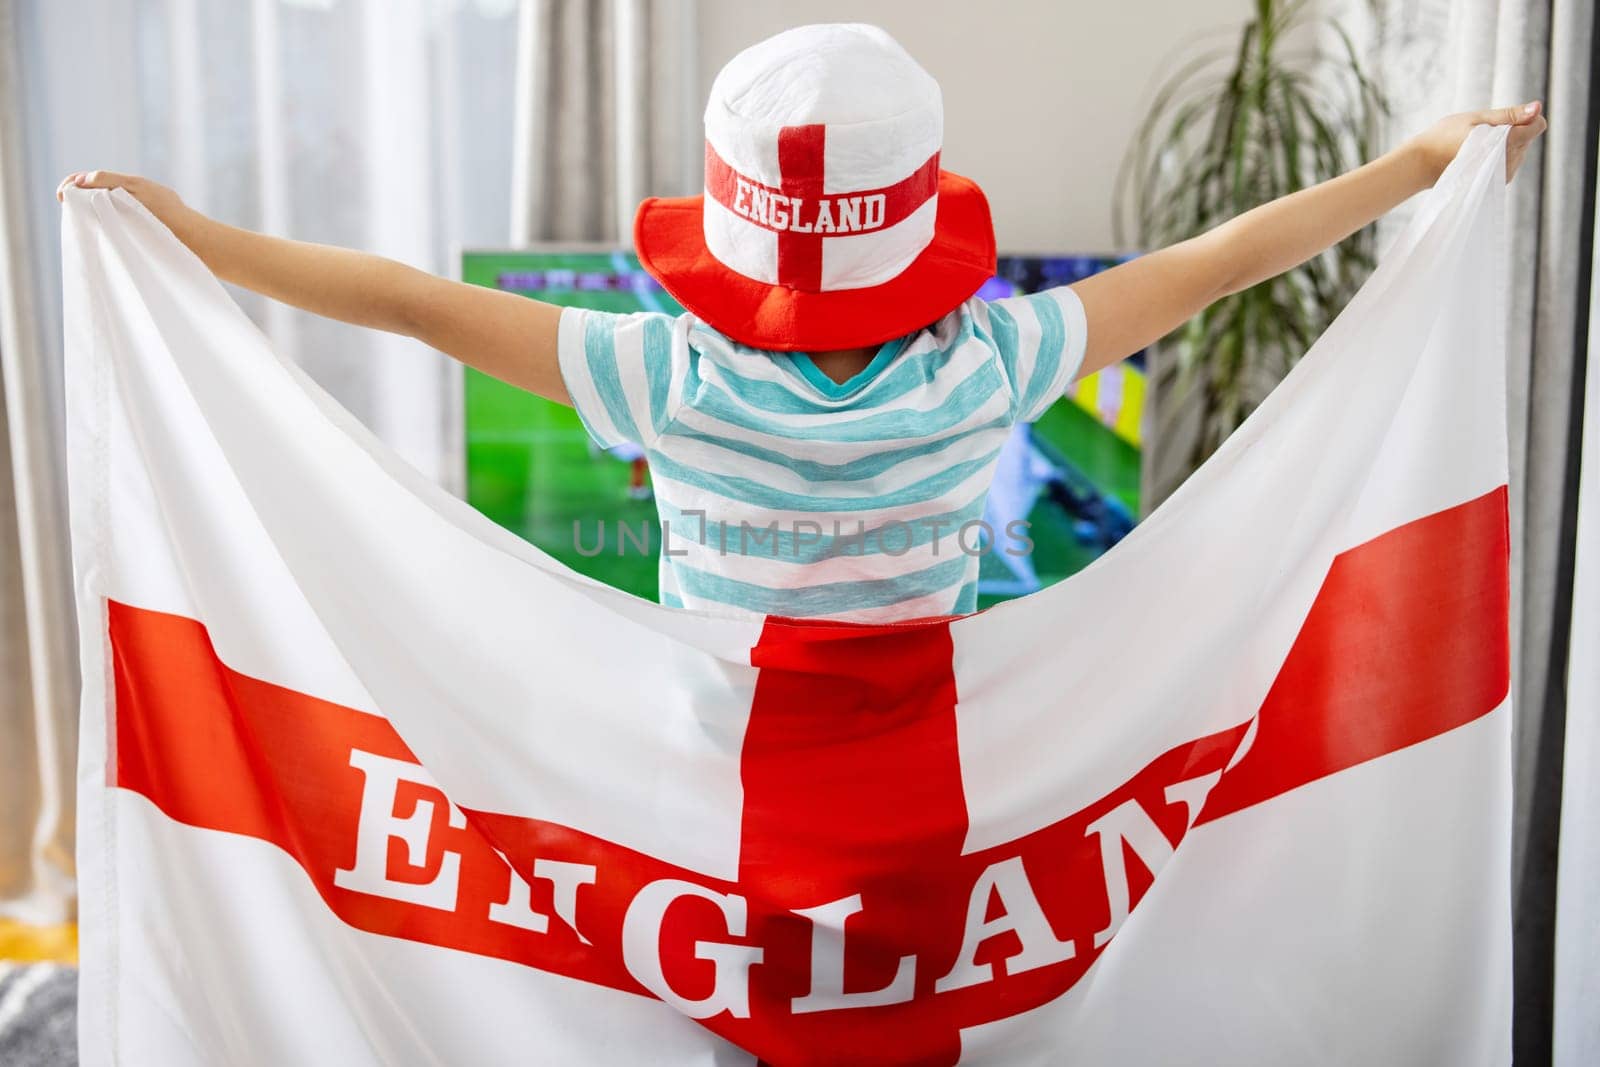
826,221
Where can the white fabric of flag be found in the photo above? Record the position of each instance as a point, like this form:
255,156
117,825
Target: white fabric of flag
367,779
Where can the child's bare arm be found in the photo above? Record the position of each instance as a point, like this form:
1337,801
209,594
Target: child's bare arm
1139,302
508,336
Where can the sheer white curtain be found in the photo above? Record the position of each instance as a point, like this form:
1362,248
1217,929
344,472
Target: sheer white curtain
38,669
376,124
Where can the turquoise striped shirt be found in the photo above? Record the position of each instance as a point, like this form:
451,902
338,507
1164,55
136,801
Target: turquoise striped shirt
785,493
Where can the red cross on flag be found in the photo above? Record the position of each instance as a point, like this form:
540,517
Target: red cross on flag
797,219
368,780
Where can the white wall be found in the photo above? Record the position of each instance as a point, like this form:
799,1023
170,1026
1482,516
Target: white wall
1041,97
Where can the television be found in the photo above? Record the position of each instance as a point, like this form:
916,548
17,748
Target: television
529,465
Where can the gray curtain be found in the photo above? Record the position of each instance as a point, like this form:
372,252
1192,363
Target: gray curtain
1435,57
38,665
1518,50
1577,953
608,112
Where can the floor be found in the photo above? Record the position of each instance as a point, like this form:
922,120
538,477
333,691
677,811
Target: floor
38,1014
38,995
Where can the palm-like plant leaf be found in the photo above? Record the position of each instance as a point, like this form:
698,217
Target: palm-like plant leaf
1232,129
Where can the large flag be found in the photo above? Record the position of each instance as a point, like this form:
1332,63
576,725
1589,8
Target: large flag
367,779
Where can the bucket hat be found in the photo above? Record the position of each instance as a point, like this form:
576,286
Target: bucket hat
826,220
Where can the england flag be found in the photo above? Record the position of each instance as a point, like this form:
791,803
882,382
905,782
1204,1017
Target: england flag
367,779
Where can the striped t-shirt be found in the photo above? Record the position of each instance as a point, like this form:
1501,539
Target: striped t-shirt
785,493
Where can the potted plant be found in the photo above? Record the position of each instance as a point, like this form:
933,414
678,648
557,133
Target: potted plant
1234,128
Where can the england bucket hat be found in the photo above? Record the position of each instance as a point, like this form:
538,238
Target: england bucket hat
826,221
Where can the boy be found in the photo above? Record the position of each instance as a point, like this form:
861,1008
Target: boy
824,422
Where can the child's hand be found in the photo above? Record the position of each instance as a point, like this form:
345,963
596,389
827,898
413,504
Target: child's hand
161,202
1437,145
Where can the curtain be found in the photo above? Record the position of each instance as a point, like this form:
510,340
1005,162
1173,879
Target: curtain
1507,52
608,112
1434,57
38,664
1577,953
375,124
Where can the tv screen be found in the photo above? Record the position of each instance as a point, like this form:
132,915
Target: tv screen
1073,475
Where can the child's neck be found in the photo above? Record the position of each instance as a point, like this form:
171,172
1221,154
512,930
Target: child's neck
842,364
